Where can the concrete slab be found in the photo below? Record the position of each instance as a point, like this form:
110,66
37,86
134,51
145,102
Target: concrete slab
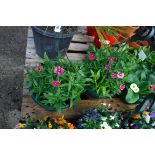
12,58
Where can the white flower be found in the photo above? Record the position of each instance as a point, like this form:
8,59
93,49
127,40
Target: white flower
112,117
117,125
147,118
105,125
103,118
106,42
136,90
153,124
134,87
104,104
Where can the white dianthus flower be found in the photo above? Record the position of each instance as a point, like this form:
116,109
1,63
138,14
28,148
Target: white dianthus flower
136,90
134,87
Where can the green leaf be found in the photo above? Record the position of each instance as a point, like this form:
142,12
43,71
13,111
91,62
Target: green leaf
132,78
131,97
152,58
98,75
92,73
152,78
143,75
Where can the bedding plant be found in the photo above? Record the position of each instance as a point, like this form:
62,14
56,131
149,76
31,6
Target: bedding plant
107,68
141,80
100,118
144,120
56,84
47,123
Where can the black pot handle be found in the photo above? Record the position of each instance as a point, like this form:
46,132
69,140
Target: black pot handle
149,99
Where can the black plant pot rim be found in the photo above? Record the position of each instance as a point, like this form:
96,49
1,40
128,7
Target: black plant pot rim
50,107
53,34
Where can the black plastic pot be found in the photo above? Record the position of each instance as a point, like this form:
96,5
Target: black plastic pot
53,43
50,107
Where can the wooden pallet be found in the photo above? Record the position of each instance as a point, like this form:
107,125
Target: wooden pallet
77,48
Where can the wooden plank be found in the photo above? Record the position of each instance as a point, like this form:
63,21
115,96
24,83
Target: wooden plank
76,111
78,47
82,38
33,60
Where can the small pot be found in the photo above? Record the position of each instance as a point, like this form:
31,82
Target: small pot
50,107
54,44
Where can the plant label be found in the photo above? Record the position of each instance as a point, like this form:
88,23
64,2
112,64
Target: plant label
57,29
142,55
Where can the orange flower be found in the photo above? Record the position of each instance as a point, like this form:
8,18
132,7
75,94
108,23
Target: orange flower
70,126
49,125
136,116
60,120
145,113
60,127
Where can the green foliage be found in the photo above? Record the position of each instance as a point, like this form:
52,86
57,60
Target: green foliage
143,74
71,83
131,96
98,78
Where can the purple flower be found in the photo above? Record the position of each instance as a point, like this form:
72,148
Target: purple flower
135,126
17,127
152,114
27,114
87,114
94,117
22,121
94,110
80,125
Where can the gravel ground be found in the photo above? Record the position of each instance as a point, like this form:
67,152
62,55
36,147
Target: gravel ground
12,58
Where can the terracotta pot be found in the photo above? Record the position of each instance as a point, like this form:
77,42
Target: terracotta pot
138,44
129,31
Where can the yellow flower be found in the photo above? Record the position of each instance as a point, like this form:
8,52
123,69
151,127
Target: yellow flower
60,120
136,116
145,113
60,127
70,126
49,125
45,118
22,126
